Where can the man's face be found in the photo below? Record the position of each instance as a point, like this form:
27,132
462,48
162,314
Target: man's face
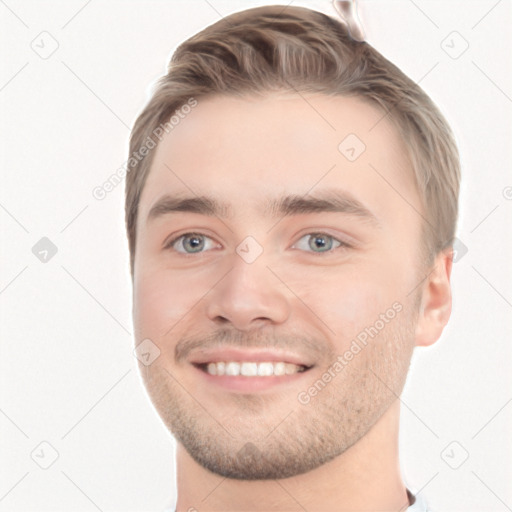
256,285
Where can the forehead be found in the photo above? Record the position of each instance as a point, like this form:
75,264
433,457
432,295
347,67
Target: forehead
241,149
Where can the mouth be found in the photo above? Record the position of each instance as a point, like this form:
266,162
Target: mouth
246,372
251,369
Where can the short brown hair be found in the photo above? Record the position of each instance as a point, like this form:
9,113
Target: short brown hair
276,48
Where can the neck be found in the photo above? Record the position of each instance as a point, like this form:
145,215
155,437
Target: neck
366,477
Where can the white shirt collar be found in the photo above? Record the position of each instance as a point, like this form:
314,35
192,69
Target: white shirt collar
419,504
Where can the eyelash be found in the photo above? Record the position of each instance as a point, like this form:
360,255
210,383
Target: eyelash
343,245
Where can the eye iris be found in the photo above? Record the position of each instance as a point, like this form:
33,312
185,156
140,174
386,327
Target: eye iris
197,242
322,244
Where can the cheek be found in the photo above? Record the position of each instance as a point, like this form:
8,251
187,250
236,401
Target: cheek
349,299
159,302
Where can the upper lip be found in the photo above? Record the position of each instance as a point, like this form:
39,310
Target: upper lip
238,355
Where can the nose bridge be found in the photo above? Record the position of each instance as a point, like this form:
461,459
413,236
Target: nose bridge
249,291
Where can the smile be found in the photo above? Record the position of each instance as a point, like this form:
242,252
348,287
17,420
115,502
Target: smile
252,369
247,371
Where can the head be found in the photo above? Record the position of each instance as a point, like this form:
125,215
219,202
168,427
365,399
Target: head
312,202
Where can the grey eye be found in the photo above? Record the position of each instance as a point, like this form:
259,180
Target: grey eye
321,241
193,241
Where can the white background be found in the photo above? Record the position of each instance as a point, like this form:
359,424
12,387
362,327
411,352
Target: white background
67,372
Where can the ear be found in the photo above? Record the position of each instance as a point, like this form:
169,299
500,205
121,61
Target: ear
436,300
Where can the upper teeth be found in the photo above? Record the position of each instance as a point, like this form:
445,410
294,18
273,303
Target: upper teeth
250,369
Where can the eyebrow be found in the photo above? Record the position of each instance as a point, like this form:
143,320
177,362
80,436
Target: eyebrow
330,200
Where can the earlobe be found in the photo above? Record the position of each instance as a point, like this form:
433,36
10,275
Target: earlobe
436,303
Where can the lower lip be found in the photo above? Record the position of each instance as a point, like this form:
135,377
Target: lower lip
239,383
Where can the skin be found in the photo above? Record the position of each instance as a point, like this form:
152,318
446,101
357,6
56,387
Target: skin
340,450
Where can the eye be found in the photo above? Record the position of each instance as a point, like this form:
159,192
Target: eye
321,241
194,241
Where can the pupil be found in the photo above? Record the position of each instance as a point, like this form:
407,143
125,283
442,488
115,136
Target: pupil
320,241
195,242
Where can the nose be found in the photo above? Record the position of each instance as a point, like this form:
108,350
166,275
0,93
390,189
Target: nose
248,296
